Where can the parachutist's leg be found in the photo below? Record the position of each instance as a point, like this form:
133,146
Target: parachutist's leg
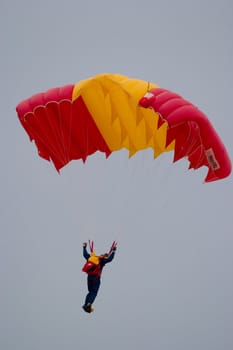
93,287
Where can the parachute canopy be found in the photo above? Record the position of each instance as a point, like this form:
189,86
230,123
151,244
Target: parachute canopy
110,112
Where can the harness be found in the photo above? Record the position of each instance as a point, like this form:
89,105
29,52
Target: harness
92,265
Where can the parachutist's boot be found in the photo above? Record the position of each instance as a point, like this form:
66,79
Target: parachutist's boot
88,308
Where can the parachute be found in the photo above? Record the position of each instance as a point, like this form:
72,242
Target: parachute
110,112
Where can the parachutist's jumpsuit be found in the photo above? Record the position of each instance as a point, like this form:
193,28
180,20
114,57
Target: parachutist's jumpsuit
93,281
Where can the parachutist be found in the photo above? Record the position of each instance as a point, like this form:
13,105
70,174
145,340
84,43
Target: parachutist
93,267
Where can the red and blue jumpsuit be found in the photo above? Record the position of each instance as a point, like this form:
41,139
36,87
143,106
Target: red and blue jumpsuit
94,280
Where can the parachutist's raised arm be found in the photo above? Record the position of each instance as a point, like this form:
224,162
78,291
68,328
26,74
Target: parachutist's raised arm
86,255
110,256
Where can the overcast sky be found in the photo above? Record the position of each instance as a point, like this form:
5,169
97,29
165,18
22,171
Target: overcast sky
170,285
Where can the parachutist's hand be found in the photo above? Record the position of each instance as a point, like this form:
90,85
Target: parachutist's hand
114,249
84,245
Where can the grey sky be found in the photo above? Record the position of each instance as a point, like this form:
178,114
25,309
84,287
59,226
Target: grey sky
170,286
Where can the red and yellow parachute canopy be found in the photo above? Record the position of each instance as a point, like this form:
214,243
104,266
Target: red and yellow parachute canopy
109,112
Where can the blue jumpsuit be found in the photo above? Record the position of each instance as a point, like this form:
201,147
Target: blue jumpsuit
93,281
